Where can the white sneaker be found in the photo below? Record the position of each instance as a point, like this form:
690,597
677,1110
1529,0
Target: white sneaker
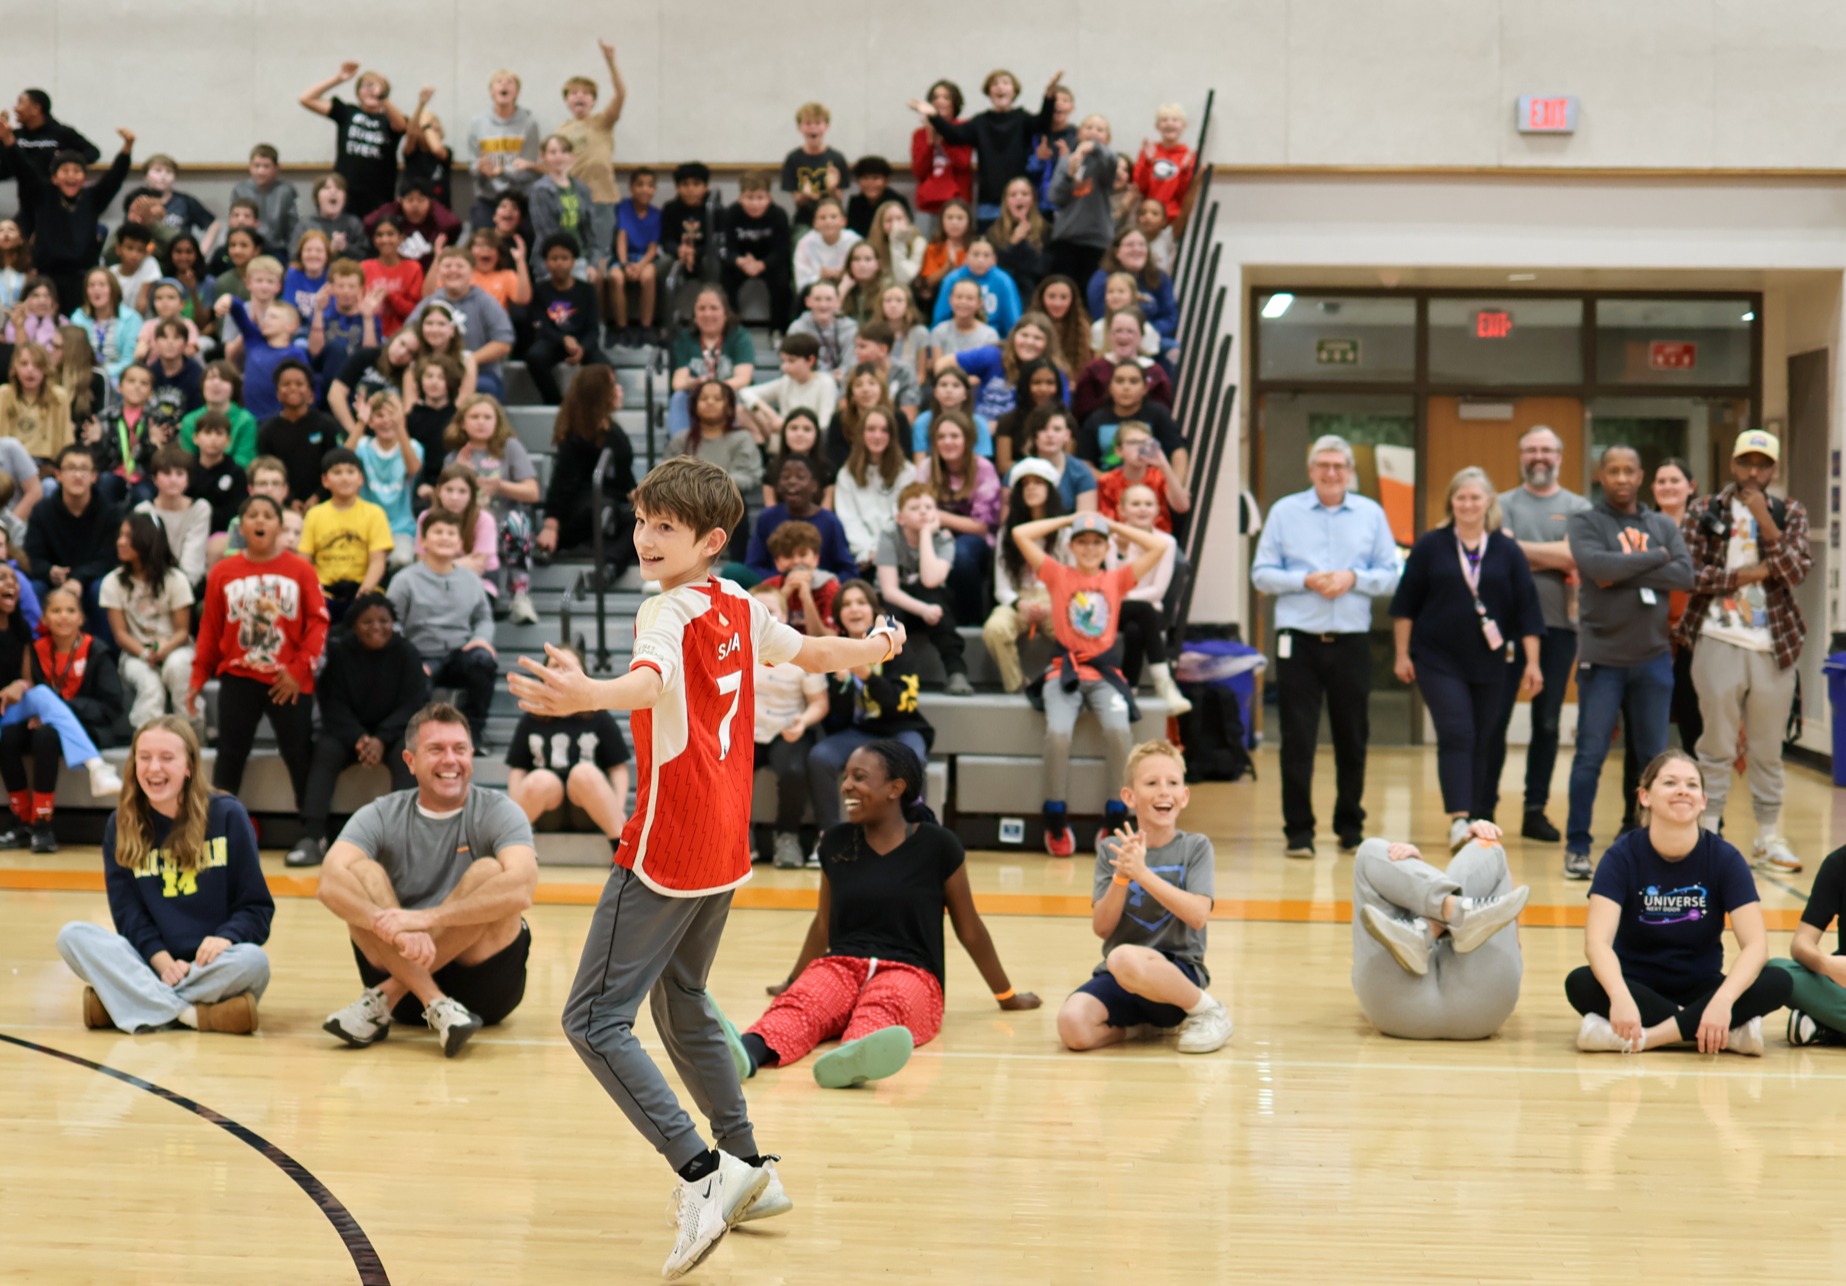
1458,832
1168,691
1746,1040
1596,1036
1202,1033
453,1023
774,1200
710,1207
1408,941
364,1022
1478,919
522,609
105,781
1776,855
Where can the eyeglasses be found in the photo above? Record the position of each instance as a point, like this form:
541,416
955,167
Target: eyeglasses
1330,466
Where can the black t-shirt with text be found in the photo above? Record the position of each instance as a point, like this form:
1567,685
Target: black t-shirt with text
889,906
562,744
1671,935
366,156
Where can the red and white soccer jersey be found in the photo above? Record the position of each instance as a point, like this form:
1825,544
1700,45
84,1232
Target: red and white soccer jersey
695,751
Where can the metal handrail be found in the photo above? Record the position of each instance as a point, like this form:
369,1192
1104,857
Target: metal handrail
598,577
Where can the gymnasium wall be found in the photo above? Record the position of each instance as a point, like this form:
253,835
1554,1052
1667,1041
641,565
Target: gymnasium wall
1677,83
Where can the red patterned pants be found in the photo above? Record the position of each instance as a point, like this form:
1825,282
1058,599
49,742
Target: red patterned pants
839,997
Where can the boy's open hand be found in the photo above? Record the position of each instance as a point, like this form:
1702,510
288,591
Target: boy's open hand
128,139
562,690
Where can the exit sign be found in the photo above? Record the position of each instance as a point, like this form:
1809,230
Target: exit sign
1493,323
1672,355
1336,352
1552,114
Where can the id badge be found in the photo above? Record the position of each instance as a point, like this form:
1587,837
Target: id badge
1285,647
1649,598
1491,628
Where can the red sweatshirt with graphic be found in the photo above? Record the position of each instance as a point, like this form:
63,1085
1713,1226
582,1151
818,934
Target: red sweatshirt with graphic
261,619
1164,173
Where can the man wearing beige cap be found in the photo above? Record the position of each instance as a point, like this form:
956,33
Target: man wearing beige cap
1749,551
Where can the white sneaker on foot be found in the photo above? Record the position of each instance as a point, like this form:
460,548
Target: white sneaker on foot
364,1022
1746,1039
1408,941
774,1200
105,781
1168,691
1203,1033
453,1023
1775,853
522,610
1596,1036
710,1207
1458,832
1478,919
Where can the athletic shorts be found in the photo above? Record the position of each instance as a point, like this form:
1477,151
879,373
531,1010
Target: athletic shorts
1127,1009
491,989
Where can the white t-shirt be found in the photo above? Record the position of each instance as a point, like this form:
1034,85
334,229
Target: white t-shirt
149,616
1741,618
782,693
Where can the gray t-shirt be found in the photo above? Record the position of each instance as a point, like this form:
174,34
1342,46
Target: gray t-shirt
17,463
427,855
895,551
1541,519
1186,863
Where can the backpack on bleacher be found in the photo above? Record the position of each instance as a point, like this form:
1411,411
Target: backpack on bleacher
1213,733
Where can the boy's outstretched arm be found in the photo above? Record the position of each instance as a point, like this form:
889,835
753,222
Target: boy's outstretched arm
828,655
568,690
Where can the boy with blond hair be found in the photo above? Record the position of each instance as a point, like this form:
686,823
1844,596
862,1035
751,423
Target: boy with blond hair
1153,897
691,684
813,170
1163,170
591,135
504,143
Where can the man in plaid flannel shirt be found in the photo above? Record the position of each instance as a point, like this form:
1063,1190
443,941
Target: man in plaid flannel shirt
1749,552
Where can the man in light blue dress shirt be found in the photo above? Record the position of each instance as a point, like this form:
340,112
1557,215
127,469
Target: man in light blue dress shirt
1325,553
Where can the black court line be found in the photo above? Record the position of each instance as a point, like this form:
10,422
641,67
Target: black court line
358,1245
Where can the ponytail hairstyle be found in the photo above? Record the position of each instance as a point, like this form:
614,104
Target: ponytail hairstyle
901,764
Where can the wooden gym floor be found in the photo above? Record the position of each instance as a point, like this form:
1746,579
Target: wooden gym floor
1308,1149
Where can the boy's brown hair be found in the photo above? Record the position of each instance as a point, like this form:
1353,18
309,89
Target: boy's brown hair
912,491
160,158
696,492
443,518
1158,747
263,464
265,151
754,181
173,456
812,111
987,85
578,82
344,267
792,537
218,422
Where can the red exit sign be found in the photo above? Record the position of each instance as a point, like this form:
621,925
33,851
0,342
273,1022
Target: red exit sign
1547,114
1493,323
1672,355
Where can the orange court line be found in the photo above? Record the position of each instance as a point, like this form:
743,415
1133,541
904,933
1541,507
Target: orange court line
569,893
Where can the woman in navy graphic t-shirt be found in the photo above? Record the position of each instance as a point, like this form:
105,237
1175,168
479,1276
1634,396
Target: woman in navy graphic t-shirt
1655,933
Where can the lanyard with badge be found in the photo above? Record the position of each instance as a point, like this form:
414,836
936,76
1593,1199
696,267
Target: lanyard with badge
1471,572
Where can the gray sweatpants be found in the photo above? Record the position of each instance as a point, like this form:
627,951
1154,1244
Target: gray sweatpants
1462,997
134,995
641,941
1061,711
1741,691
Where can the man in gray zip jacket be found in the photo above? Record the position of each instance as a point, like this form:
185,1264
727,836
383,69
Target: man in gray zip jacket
1629,557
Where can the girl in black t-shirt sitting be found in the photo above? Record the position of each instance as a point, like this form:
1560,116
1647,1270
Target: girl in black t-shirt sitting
870,973
1655,934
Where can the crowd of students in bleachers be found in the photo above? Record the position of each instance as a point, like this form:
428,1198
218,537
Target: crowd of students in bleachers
1003,354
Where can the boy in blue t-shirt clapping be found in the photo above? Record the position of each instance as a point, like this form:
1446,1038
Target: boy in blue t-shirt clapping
1153,899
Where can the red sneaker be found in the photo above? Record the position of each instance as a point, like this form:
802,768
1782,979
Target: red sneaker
1062,844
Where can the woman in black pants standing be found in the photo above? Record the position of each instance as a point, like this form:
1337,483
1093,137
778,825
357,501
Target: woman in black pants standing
1655,933
1465,609
372,683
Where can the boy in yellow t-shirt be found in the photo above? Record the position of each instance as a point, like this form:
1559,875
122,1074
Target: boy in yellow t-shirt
346,538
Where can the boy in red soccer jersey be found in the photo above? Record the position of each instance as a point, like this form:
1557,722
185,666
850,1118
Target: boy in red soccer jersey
691,686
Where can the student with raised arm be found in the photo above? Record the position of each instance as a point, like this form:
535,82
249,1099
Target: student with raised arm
1655,934
1086,662
366,152
686,845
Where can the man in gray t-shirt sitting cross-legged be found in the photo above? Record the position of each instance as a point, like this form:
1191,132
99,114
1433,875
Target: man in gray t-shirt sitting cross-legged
432,884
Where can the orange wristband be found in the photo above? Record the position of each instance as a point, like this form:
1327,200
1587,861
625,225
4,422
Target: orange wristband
1123,879
1008,994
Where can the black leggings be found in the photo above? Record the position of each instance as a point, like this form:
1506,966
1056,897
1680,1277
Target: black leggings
242,703
949,645
1078,262
1144,637
1767,994
790,761
331,758
47,751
